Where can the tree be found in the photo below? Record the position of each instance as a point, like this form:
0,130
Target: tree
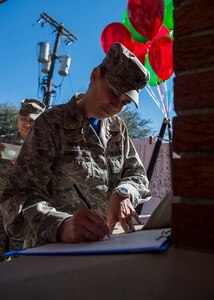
138,128
8,118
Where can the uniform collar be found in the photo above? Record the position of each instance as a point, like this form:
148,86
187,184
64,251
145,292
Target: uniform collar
73,118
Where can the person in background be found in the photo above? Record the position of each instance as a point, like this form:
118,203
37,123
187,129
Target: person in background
29,111
76,150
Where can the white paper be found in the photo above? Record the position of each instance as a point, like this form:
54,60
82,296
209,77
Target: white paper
10,151
160,183
135,242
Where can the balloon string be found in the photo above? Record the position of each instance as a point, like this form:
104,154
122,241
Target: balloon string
167,93
170,107
170,95
164,102
168,98
154,98
161,97
153,93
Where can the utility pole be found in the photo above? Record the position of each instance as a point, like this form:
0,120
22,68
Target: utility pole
70,38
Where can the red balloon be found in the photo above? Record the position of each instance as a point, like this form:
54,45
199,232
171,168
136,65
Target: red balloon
146,16
161,57
163,31
116,32
140,51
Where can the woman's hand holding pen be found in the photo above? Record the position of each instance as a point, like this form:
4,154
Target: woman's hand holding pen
120,209
85,225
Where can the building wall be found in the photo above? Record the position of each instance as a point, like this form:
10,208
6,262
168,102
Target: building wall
193,127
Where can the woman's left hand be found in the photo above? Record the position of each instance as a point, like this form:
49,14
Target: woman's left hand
120,209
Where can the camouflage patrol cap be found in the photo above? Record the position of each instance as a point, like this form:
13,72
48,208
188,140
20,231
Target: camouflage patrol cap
124,72
31,108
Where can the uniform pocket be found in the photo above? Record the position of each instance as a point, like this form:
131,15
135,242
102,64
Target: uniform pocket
75,160
116,164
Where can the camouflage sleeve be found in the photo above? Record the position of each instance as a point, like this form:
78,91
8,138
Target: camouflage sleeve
3,239
25,203
134,175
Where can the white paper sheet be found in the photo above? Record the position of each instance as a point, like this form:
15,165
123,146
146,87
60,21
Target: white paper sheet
10,151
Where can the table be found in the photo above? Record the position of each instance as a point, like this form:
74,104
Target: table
176,274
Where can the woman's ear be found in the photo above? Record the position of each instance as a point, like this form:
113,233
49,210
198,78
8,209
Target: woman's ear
95,74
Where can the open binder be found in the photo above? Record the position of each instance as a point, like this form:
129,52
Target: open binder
141,241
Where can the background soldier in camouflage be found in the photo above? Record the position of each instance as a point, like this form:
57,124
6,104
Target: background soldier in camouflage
81,142
30,110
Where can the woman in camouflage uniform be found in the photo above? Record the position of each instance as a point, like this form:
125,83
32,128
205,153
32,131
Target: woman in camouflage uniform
81,142
29,111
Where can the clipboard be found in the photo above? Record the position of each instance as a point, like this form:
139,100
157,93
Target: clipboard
157,240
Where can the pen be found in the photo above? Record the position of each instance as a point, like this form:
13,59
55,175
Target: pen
84,198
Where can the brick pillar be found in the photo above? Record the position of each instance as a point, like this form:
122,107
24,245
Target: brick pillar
193,127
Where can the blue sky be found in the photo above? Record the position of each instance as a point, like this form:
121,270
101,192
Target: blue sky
20,35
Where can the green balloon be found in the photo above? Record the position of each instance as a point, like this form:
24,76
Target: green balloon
171,35
168,20
154,79
137,36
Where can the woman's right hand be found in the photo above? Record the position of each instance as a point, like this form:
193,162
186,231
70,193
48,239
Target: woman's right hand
84,226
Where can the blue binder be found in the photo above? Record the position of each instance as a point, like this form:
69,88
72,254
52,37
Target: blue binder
142,241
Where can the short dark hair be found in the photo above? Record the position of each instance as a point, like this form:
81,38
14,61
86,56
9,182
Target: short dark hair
102,71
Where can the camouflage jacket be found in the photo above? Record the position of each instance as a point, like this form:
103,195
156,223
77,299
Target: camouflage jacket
62,149
5,169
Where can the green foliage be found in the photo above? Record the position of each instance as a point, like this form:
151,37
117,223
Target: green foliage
138,128
8,118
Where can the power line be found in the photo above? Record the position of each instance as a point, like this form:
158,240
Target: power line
70,38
